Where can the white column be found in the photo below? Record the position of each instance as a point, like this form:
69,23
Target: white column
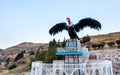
36,68
111,69
39,67
32,71
33,68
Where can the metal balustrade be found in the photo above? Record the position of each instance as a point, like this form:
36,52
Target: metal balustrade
99,67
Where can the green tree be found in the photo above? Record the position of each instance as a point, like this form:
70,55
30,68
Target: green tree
58,44
46,56
118,43
50,55
111,44
40,55
19,56
52,43
85,39
64,43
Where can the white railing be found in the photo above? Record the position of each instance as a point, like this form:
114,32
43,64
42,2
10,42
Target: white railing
72,49
103,67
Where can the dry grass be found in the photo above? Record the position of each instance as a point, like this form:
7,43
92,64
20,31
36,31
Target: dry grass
105,37
22,67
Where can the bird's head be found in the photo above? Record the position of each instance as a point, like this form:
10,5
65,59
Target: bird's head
69,21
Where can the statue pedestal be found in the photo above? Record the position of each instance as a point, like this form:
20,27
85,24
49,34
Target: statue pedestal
74,52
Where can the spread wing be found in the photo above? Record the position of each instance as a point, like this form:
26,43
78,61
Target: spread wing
58,28
87,22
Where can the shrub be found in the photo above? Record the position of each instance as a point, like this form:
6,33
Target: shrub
85,39
111,44
94,46
102,45
12,66
118,42
32,52
19,56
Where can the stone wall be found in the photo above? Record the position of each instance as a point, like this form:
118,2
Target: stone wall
113,55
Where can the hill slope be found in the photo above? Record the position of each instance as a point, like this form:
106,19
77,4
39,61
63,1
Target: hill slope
26,46
105,37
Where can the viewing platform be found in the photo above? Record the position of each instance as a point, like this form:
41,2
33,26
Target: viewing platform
76,62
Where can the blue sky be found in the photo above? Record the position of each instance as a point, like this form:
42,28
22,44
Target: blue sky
30,20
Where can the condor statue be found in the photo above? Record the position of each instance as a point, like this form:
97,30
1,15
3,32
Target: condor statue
73,28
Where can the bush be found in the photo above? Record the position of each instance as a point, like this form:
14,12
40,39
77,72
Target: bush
40,55
102,45
85,39
118,42
19,56
98,46
12,66
94,46
32,53
111,44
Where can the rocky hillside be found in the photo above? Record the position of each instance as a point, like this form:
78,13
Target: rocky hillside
106,37
26,46
23,67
